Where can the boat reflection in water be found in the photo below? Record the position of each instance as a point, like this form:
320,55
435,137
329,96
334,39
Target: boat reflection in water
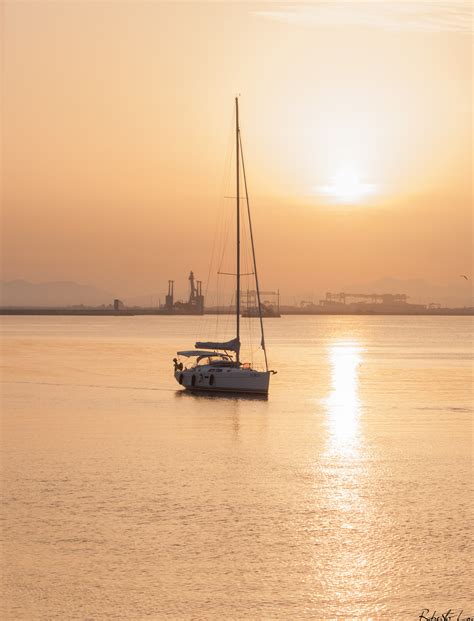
343,403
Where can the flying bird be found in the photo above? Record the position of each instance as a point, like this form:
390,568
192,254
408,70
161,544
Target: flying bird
463,276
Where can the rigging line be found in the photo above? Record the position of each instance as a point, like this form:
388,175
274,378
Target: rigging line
249,326
249,282
219,226
227,213
253,251
253,327
224,184
228,318
225,240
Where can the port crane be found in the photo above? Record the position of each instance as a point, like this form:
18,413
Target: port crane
374,298
195,303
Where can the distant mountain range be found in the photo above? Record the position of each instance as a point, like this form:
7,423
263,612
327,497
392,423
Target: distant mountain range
419,291
61,293
68,293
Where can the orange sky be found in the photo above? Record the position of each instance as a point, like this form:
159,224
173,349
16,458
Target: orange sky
356,121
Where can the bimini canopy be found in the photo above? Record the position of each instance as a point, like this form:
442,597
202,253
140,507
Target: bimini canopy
195,353
232,345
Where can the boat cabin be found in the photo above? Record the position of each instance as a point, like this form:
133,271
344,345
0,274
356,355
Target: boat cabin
206,358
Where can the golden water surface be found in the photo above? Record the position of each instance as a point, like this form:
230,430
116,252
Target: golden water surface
346,494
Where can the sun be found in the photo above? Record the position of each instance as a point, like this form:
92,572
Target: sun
346,187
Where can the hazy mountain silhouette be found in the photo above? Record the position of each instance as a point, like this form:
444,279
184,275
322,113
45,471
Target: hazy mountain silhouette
62,293
460,293
68,293
146,300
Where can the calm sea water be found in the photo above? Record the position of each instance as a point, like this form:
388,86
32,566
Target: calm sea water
346,494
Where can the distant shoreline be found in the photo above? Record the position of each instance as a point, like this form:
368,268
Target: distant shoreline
128,312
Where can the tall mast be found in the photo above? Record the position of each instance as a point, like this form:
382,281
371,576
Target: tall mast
237,156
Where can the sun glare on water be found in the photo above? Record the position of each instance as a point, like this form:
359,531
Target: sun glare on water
346,187
343,403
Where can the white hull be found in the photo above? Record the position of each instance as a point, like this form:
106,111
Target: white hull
234,379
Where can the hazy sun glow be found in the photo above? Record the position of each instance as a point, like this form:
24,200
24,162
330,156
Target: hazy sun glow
135,146
346,187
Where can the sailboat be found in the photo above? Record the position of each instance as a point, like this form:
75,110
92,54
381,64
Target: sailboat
214,366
